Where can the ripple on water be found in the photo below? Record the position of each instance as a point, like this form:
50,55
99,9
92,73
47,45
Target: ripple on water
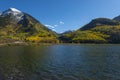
60,62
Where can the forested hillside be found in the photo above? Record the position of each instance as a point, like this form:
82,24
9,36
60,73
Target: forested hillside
100,30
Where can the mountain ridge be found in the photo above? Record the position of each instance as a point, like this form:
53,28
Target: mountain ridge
16,25
117,18
20,26
100,22
15,14
99,30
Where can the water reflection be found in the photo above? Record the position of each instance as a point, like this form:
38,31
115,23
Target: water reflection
60,62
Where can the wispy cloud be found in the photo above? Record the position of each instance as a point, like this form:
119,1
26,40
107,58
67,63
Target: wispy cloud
50,26
61,22
55,25
54,29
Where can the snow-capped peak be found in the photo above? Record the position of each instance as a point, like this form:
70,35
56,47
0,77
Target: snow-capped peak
15,14
15,10
12,11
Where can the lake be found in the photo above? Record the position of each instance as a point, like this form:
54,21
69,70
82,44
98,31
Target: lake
60,62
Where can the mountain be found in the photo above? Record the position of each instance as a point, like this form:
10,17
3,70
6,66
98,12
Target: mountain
100,30
19,26
100,22
15,15
117,18
0,13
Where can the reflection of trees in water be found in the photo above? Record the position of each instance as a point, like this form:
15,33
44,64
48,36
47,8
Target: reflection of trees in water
20,63
60,62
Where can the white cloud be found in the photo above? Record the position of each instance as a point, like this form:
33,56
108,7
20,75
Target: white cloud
55,25
61,22
54,29
50,26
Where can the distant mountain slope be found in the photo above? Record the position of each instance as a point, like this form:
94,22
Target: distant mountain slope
100,22
117,18
17,25
100,30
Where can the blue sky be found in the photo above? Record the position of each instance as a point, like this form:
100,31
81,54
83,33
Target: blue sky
63,15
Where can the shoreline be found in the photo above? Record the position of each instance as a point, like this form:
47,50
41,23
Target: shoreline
37,44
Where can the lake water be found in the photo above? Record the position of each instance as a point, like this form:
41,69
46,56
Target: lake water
60,62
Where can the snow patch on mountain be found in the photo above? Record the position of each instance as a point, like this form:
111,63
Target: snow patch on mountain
15,10
14,13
